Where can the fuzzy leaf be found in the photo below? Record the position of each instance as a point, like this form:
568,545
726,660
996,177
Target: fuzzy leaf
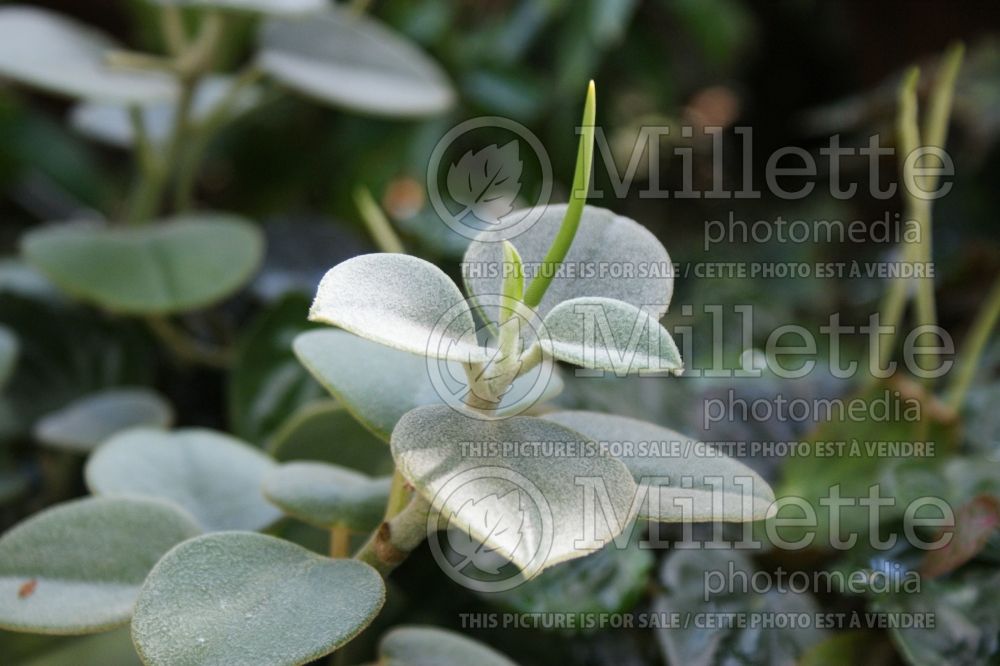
430,646
399,301
44,50
76,568
244,598
214,476
486,182
87,422
353,61
433,448
327,495
353,370
605,244
605,334
183,264
682,472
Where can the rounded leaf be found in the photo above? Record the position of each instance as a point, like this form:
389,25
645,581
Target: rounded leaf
352,60
87,422
326,432
399,301
430,646
610,257
328,495
215,477
605,334
44,50
77,568
530,507
111,124
244,598
354,370
188,263
692,480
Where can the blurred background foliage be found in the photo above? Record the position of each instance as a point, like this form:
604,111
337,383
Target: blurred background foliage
796,71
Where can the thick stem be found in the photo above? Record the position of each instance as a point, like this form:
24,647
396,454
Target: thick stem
395,539
340,541
399,496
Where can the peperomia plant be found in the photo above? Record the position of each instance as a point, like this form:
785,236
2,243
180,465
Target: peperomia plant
171,539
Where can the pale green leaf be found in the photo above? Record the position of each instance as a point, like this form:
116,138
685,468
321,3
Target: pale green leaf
182,264
327,495
430,646
605,334
611,257
693,481
259,6
355,371
244,598
450,458
45,50
88,421
325,431
111,124
77,568
351,60
215,477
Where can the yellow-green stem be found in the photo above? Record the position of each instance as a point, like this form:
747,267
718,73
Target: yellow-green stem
340,541
972,349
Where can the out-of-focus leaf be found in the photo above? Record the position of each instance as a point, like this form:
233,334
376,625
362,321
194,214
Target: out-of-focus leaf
181,264
975,522
243,598
213,476
42,49
424,646
328,496
262,6
267,384
113,647
9,349
87,422
76,568
354,61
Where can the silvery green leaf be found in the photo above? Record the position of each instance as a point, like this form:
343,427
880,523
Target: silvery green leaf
324,431
9,352
244,598
327,495
110,123
399,301
414,645
44,50
77,567
692,480
530,509
214,476
611,257
605,334
486,182
353,61
260,6
182,264
87,422
354,371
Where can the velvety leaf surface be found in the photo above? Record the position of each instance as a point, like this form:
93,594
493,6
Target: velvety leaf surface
605,334
244,598
182,264
354,61
430,646
87,422
627,262
45,50
399,301
326,495
527,508
215,477
110,123
684,472
354,371
76,568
